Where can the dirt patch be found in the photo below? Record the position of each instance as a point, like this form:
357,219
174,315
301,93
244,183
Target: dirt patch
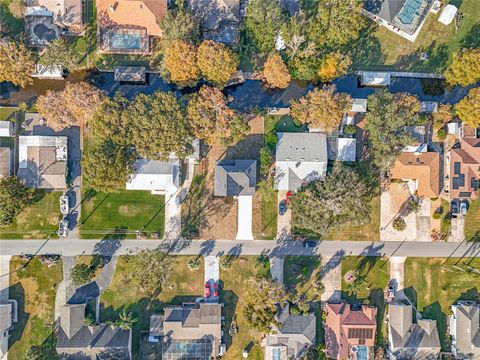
36,303
128,211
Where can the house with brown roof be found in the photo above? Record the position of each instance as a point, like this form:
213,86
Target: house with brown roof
465,169
128,26
421,170
350,331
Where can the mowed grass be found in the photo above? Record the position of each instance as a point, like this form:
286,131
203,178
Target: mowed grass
376,270
369,231
434,289
128,211
6,112
299,272
232,295
472,222
265,215
380,47
39,220
34,287
184,286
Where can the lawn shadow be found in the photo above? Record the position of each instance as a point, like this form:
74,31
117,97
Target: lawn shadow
438,57
248,148
367,52
17,292
472,39
95,208
366,264
230,299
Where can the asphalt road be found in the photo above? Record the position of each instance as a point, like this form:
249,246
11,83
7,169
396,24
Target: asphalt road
69,247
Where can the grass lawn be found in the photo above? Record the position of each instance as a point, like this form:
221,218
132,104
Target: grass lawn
267,212
380,47
34,288
108,61
184,286
472,222
127,210
5,112
299,272
284,123
446,222
16,26
232,295
367,232
39,220
434,289
377,274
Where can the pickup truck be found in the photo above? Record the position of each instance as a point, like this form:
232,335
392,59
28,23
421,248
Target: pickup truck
64,208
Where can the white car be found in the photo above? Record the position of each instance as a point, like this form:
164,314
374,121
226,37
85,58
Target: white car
64,208
63,228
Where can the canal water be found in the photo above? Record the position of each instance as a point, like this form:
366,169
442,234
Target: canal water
250,94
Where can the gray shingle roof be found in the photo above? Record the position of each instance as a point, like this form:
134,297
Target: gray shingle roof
467,326
302,147
235,177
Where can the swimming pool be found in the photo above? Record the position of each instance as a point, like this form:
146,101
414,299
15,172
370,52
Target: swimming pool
362,353
409,10
125,41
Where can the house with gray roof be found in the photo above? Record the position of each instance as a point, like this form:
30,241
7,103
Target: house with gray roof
465,330
8,316
292,337
408,340
300,158
77,341
189,331
220,19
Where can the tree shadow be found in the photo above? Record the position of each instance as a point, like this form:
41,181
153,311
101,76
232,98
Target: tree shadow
434,312
367,52
17,292
438,56
472,39
248,148
230,299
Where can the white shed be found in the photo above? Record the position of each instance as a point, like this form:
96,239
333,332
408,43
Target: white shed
448,14
6,128
375,78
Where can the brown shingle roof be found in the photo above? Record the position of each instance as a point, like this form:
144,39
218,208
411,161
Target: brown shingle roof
424,167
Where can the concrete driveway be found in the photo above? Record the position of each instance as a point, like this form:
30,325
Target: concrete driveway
284,222
457,229
4,285
245,213
397,271
331,277
173,214
276,268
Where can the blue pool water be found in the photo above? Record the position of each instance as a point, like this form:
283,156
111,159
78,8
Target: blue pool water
362,353
409,11
125,41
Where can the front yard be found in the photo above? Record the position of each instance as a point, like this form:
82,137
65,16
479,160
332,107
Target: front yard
375,271
300,272
472,222
434,284
34,288
124,212
265,213
38,221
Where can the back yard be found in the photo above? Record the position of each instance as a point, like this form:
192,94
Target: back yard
434,284
34,287
381,48
126,212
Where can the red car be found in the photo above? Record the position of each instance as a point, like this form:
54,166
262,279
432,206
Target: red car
288,196
206,290
215,289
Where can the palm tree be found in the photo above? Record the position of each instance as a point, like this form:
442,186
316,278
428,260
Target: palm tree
126,320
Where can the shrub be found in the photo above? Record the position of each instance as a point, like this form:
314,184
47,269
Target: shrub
82,273
193,264
442,134
350,130
265,159
399,224
436,215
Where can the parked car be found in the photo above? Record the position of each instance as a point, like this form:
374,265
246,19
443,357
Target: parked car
463,207
64,208
288,196
206,290
282,207
309,244
391,291
454,207
215,289
63,228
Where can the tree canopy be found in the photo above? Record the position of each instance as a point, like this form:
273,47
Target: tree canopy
332,66
179,24
72,106
211,119
387,116
14,197
468,109
341,199
180,62
275,72
442,116
217,63
60,52
465,68
16,63
321,108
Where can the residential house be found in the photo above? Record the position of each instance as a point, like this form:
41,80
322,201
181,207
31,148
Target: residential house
8,316
420,170
403,17
156,176
292,337
408,340
238,178
6,128
43,161
220,19
75,340
350,331
6,161
128,26
465,169
299,159
66,13
190,331
465,330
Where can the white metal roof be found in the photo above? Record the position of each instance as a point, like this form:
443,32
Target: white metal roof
154,175
6,128
37,11
359,105
448,14
373,78
347,149
48,72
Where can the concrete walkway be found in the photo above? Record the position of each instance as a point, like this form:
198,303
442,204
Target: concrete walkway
397,272
331,277
244,218
276,268
173,214
212,269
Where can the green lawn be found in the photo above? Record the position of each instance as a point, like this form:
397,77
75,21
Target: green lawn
381,48
14,25
184,286
376,270
274,124
5,112
434,289
128,211
299,272
34,288
232,295
266,228
472,222
36,221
